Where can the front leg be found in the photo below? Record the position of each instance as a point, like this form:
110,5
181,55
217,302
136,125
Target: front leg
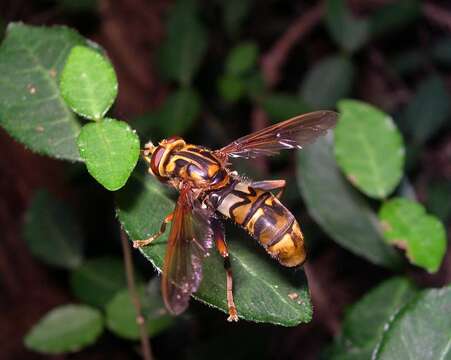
270,185
221,245
141,243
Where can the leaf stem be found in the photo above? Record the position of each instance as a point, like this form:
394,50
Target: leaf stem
128,262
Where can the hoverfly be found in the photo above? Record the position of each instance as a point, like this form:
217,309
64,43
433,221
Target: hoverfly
210,190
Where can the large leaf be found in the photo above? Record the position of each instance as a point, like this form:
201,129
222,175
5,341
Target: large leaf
364,322
348,32
121,313
327,81
264,292
52,232
369,148
340,210
66,328
407,226
88,83
96,281
31,107
185,43
421,330
428,111
111,150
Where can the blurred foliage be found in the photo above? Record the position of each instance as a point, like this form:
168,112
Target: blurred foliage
369,185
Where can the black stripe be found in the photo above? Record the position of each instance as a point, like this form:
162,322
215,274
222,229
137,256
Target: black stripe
281,234
255,206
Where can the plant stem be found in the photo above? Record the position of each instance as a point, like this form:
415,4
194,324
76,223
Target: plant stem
145,344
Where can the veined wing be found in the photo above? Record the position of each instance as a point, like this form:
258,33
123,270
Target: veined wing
289,134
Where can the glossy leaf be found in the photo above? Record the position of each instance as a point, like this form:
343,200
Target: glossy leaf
264,292
348,32
421,330
121,313
395,15
88,83
242,58
52,232
185,43
407,226
340,210
369,148
281,106
110,149
428,111
96,281
328,81
67,328
365,321
31,107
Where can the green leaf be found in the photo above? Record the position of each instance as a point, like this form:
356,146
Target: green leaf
355,225
347,31
121,313
52,232
230,87
428,111
111,150
242,58
280,106
185,44
364,322
421,330
369,148
263,290
88,83
31,107
96,281
327,81
234,12
67,328
394,16
407,226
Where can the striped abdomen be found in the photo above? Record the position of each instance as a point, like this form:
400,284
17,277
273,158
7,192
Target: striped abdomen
265,218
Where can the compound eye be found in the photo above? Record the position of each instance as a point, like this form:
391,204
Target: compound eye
156,158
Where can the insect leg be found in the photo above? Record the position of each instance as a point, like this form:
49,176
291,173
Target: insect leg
141,243
270,185
221,245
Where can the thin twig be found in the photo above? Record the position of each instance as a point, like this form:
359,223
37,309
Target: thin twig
438,15
145,344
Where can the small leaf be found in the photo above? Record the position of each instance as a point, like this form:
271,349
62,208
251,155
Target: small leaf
88,83
327,82
394,16
280,106
96,281
428,111
242,58
421,330
111,150
185,44
230,87
369,148
264,292
121,314
407,226
31,107
67,328
364,322
52,232
355,225
347,31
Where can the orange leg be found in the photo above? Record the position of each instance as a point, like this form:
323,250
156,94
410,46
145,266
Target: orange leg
223,250
141,243
270,185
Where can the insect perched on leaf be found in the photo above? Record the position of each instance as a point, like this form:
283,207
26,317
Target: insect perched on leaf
210,191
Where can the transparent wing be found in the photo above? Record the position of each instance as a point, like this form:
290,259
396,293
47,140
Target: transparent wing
289,134
189,240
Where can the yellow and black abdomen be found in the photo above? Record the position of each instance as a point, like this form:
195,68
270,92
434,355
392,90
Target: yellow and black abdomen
265,218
